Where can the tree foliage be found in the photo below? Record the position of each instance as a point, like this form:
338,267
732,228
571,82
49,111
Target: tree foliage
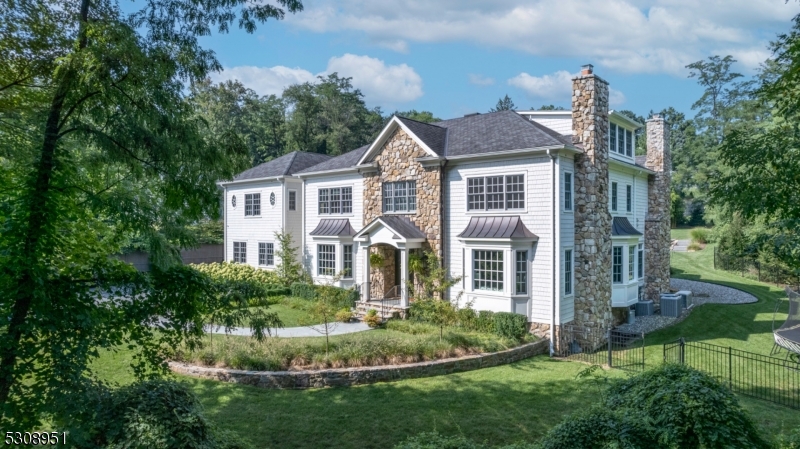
420,116
504,104
99,143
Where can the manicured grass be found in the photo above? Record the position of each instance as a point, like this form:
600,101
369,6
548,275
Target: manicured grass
291,317
682,233
504,404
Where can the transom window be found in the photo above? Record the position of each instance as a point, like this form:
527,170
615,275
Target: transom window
614,196
620,140
616,267
326,260
487,270
521,279
628,198
252,204
631,262
567,191
266,254
496,192
347,261
400,196
240,252
568,272
337,200
292,200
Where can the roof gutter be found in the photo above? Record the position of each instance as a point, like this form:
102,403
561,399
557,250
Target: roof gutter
522,151
352,169
245,181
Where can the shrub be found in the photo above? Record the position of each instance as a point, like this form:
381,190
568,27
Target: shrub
372,319
699,235
791,441
227,271
433,440
303,290
344,315
694,246
686,408
600,427
485,322
510,325
467,318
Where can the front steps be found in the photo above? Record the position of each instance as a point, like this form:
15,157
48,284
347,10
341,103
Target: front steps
385,310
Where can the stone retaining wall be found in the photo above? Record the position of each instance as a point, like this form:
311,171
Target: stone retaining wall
345,377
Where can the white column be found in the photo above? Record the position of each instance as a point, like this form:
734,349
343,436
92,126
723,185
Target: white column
403,277
365,273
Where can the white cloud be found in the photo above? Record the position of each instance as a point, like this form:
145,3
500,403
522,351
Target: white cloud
556,86
632,36
480,80
397,45
381,84
265,80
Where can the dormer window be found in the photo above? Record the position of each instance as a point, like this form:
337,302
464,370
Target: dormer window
400,196
620,140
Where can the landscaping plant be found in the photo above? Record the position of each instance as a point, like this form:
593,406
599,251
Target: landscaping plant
510,325
289,270
372,319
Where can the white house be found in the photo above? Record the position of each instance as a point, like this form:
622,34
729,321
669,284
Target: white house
549,214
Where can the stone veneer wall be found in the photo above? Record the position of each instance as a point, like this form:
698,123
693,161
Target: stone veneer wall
592,218
381,279
345,377
657,223
396,163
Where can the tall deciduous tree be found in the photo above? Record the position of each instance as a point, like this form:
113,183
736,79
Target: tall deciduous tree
99,141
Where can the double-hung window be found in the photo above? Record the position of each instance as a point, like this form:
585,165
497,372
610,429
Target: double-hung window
337,200
326,260
252,204
614,196
628,198
347,261
628,143
240,252
568,272
640,260
496,192
631,262
292,200
612,133
616,265
266,254
521,280
400,196
567,191
487,270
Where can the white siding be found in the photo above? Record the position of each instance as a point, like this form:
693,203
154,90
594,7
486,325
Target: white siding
536,216
561,123
313,217
293,219
253,229
641,202
567,235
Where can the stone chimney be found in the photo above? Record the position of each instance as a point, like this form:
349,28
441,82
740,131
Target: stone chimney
657,223
592,218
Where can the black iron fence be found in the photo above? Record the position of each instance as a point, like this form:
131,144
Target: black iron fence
754,269
773,379
612,348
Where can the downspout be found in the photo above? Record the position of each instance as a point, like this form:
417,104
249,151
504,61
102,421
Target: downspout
225,223
441,219
303,226
553,204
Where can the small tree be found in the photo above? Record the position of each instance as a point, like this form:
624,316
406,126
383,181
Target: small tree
433,280
329,301
229,309
289,269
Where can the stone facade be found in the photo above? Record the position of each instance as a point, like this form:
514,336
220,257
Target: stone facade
382,279
345,377
657,223
592,218
396,162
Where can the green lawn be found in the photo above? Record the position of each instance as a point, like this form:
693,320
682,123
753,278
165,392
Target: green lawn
502,404
682,233
291,317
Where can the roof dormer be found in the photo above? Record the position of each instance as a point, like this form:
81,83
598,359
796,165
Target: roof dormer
622,136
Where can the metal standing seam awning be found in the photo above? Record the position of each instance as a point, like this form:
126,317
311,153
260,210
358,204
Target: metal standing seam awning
497,228
621,227
333,228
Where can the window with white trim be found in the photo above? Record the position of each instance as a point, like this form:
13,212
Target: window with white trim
640,260
628,142
347,261
400,196
628,198
631,262
292,200
567,191
240,252
612,137
616,265
620,140
567,272
252,204
614,196
487,270
335,200
326,260
496,192
266,254
521,278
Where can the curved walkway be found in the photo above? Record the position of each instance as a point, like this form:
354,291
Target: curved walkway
295,332
702,293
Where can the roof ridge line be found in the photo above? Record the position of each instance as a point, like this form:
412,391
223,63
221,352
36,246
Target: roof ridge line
424,123
288,170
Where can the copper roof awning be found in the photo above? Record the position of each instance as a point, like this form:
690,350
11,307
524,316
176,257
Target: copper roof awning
334,228
621,227
497,228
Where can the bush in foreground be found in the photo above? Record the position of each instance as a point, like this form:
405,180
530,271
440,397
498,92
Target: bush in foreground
227,271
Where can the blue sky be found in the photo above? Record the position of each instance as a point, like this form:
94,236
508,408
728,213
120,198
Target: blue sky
453,57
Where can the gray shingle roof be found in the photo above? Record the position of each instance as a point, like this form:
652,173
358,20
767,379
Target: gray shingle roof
620,226
285,165
347,160
334,228
497,131
400,225
641,161
434,136
496,228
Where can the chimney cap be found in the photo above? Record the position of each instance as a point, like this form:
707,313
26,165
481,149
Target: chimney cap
587,69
